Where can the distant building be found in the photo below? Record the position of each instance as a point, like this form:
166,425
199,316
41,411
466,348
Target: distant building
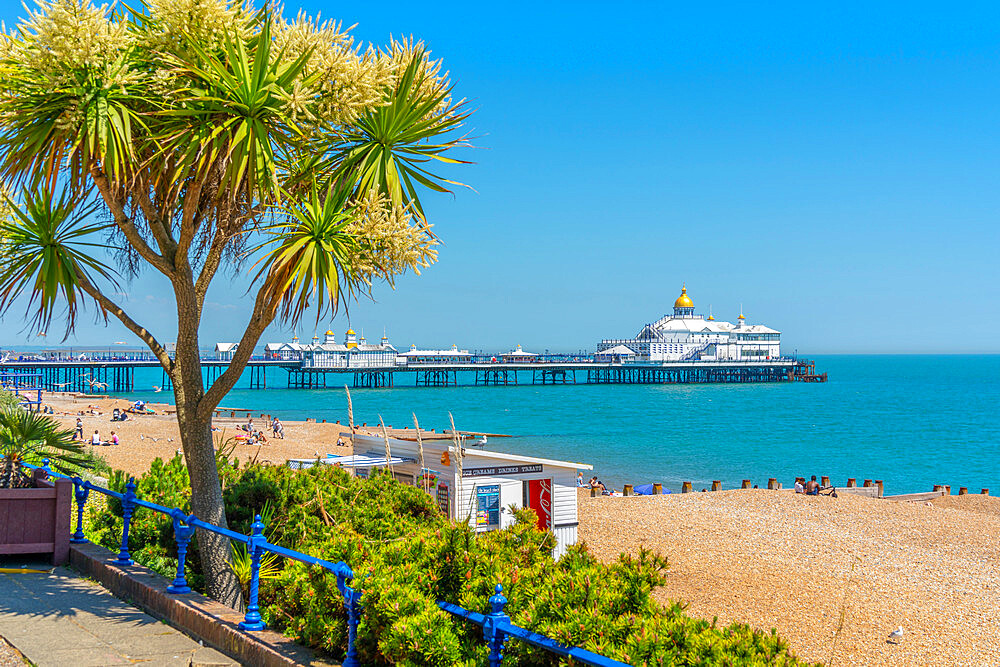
685,336
452,356
225,351
518,356
354,352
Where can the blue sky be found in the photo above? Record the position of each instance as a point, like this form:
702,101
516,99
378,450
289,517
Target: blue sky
834,170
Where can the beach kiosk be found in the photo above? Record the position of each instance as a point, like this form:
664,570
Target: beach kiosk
490,482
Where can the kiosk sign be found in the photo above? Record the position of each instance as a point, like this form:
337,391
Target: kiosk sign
495,471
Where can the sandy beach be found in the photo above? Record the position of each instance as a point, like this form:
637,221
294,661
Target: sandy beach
146,437
774,559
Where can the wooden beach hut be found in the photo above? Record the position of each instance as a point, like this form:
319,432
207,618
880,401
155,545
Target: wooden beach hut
489,482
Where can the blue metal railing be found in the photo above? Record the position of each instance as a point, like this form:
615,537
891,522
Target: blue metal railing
497,628
184,527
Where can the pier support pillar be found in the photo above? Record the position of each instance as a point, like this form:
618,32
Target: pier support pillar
657,489
852,483
868,482
772,483
985,492
716,485
824,481
938,487
963,490
878,483
746,484
686,487
947,489
627,490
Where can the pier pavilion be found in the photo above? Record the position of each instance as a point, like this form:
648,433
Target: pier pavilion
685,336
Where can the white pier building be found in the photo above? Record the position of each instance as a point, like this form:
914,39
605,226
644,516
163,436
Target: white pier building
354,352
685,336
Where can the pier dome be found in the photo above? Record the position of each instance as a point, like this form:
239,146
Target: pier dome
684,306
684,301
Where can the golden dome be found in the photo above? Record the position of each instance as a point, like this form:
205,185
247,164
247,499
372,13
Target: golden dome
684,301
741,317
329,332
350,332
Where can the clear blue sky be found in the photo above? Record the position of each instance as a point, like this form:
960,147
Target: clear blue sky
835,170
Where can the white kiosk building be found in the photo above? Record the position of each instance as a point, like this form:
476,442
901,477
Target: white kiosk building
685,336
490,482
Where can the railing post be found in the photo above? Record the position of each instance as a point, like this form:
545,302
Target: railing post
352,605
494,636
252,620
81,490
45,466
128,506
182,534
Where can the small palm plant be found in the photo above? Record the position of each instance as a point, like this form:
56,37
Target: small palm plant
28,437
241,565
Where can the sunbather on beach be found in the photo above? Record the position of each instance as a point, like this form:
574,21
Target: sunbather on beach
812,486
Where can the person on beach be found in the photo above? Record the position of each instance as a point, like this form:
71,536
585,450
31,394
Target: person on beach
95,440
79,429
114,438
579,480
812,487
799,488
598,484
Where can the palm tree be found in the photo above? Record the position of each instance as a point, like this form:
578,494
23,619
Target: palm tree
29,437
210,135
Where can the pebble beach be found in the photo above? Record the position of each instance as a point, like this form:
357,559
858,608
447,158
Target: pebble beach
834,576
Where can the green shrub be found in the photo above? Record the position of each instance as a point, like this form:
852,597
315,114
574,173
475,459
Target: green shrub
405,556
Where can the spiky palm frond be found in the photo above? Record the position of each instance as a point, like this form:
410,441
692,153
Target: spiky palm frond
236,107
46,256
386,147
28,437
63,125
312,260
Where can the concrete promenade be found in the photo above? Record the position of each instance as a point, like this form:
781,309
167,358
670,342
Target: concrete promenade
62,619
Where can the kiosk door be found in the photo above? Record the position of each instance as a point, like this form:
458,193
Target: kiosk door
538,496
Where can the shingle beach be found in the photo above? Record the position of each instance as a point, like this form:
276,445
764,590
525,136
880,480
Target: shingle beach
775,559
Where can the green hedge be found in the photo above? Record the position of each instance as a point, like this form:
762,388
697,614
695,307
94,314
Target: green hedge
406,556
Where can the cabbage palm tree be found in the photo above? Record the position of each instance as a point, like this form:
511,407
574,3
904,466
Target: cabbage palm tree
29,437
210,135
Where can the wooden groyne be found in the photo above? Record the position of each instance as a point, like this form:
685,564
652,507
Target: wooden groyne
873,488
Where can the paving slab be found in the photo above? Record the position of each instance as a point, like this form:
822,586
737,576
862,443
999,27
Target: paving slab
58,618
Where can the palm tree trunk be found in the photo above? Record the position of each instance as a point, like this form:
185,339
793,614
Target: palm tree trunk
206,496
199,452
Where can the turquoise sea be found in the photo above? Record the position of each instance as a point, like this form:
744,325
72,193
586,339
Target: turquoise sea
912,421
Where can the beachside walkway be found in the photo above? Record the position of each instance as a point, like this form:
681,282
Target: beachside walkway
61,619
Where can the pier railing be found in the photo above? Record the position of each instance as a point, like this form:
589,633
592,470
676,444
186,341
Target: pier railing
497,628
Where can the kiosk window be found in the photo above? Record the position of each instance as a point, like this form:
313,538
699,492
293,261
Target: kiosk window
488,506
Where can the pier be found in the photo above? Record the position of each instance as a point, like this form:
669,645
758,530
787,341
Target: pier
118,376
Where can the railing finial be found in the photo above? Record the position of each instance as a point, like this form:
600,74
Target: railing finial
128,507
497,600
255,546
